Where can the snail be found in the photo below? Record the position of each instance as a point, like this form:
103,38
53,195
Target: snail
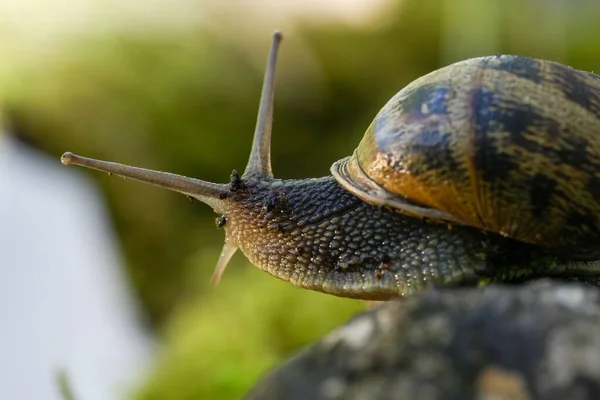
485,170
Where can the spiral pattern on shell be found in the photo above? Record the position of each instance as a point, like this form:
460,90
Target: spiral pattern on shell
508,144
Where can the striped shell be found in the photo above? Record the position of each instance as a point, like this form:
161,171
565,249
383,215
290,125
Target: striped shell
508,144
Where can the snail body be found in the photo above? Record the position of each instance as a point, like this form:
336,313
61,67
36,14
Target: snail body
435,192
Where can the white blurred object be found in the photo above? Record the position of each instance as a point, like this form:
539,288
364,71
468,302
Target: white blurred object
64,302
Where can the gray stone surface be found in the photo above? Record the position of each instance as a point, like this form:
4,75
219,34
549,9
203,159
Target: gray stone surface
536,341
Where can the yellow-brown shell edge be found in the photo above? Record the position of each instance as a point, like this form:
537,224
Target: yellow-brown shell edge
348,173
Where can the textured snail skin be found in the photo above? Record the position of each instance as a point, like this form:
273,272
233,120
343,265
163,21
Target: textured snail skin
318,236
509,144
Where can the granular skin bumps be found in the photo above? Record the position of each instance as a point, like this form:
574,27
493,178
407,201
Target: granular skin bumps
318,236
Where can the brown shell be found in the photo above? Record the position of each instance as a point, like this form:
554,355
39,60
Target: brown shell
505,143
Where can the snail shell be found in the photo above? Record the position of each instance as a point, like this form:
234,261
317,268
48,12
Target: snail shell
508,144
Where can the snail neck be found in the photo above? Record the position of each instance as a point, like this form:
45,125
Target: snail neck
282,225
271,211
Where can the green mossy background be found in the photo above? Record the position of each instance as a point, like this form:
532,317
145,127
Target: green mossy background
185,101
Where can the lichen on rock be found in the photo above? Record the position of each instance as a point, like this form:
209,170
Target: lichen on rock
535,341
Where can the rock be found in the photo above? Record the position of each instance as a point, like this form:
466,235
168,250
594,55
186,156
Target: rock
536,341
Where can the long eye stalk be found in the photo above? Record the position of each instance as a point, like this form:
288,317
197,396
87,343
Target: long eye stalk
259,162
207,192
212,194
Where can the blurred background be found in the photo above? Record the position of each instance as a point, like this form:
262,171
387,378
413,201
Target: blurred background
107,280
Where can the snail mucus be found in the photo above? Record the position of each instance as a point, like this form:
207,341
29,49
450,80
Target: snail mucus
485,170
